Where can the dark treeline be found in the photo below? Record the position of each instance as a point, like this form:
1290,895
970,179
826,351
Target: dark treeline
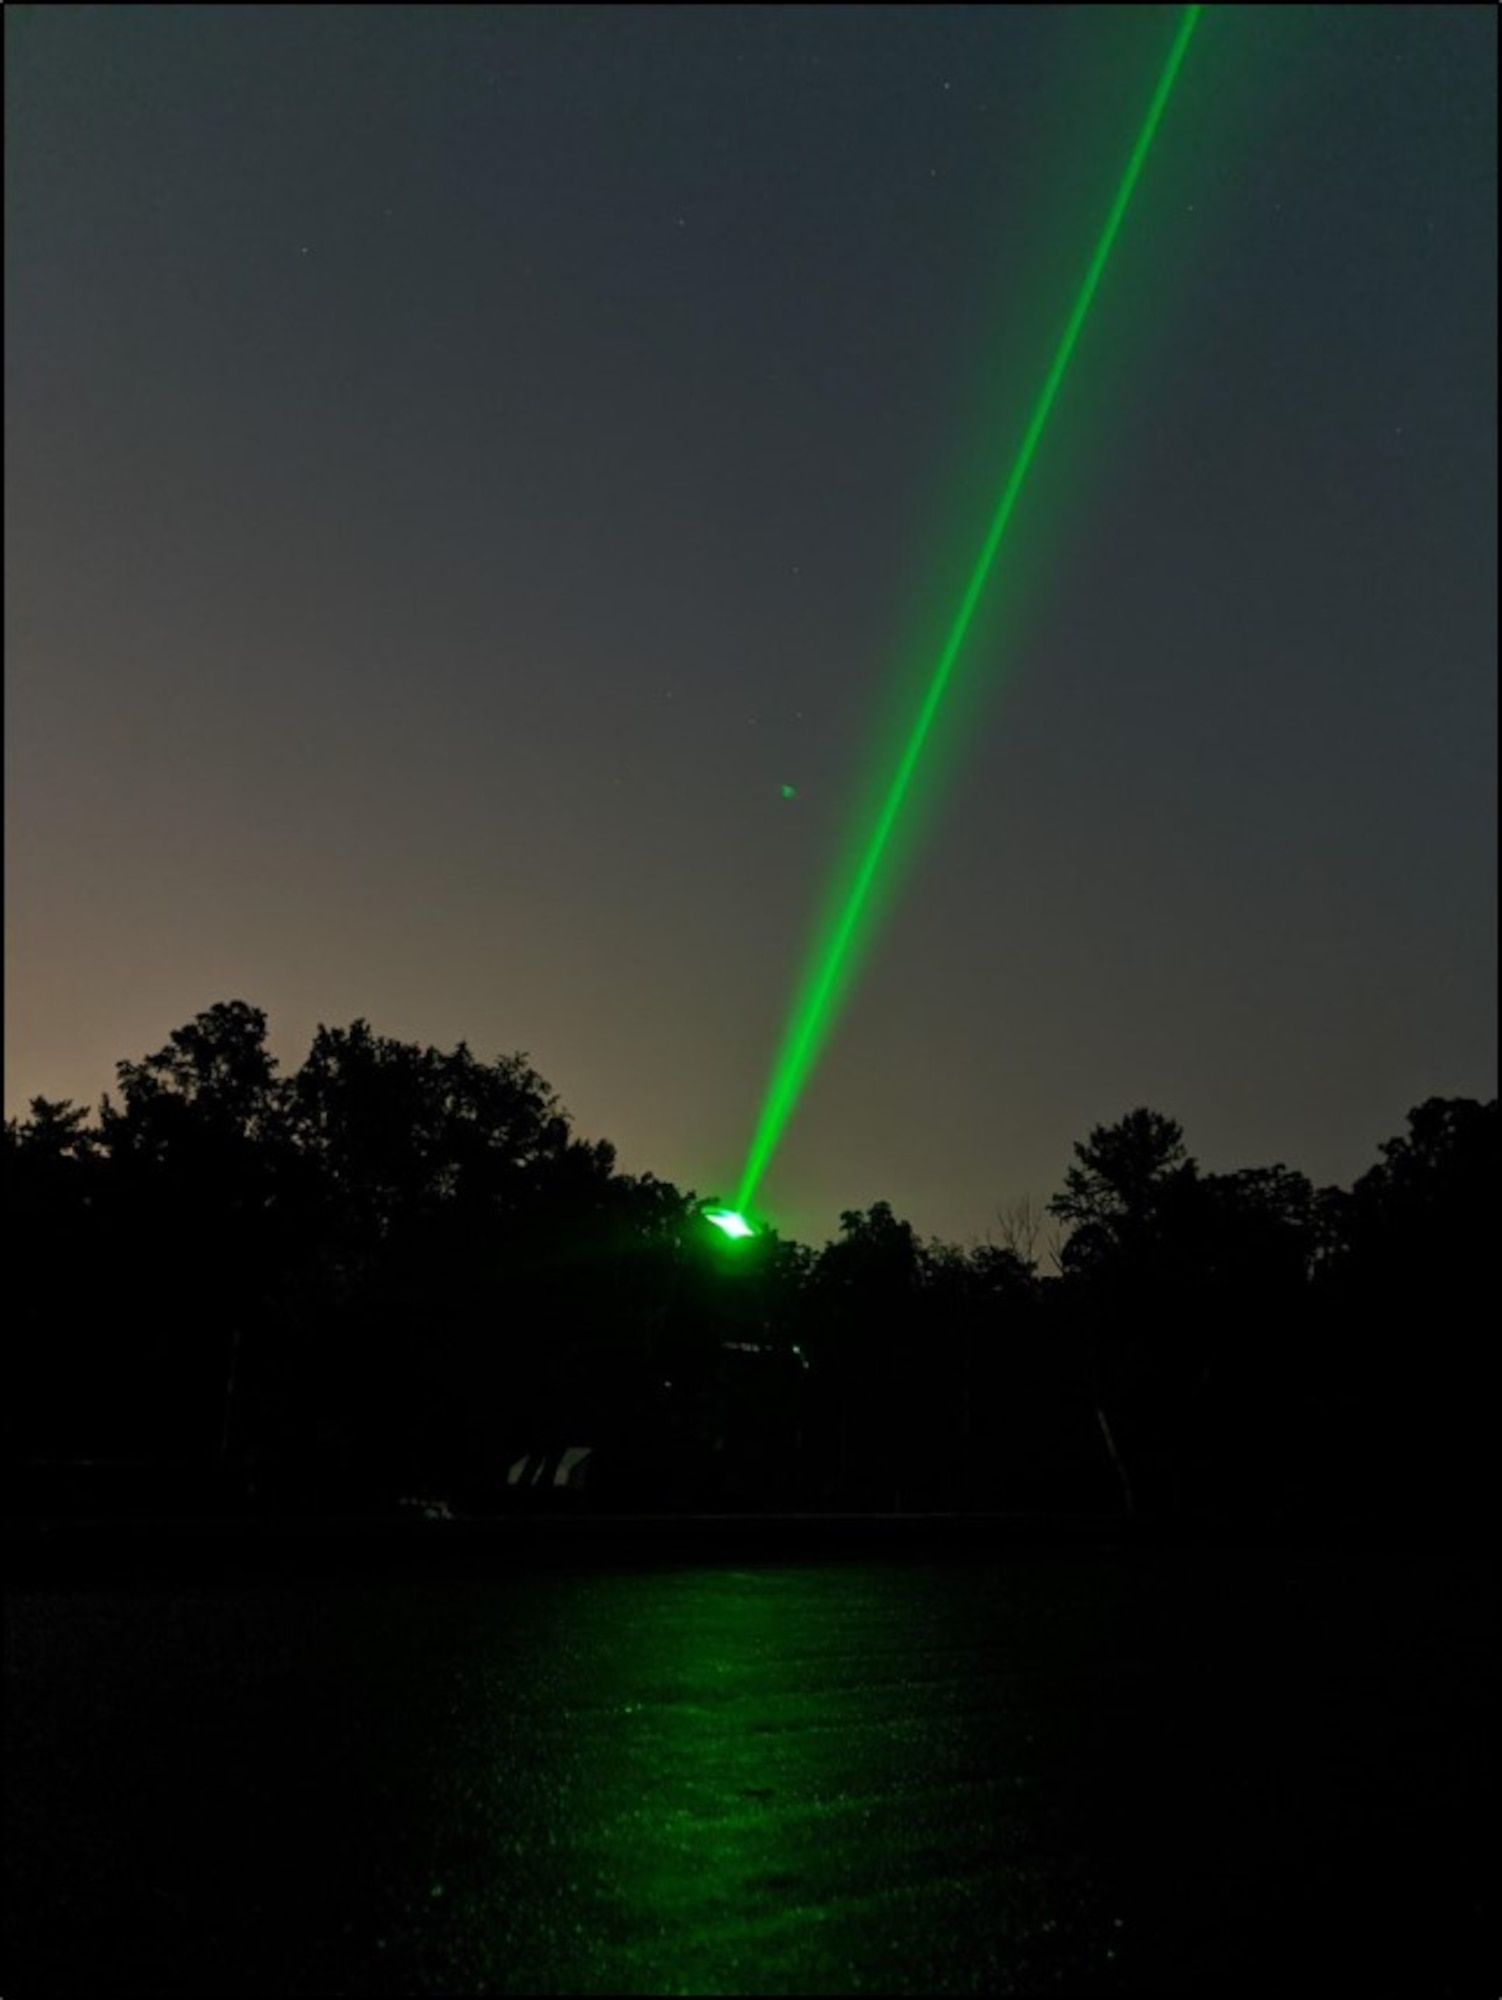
399,1271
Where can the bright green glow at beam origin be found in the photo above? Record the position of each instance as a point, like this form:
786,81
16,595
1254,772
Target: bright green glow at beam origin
813,1014
735,1226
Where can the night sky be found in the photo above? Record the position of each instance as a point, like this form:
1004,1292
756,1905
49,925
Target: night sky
465,463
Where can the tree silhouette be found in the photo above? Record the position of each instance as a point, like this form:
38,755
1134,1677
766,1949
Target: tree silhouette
1404,1377
202,1179
56,1133
57,1395
1131,1206
1122,1192
218,1066
402,1264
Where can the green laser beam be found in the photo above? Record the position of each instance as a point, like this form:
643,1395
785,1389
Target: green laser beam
813,1013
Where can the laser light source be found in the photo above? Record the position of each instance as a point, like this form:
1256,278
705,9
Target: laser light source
734,1225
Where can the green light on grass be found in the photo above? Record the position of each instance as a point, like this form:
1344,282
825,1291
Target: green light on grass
734,1225
814,1009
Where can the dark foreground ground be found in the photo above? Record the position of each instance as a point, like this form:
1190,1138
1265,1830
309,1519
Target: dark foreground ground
635,1765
